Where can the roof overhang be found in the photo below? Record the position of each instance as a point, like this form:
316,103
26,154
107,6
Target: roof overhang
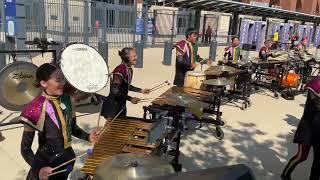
229,6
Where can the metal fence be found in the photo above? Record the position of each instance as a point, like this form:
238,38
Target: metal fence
2,22
91,21
80,21
171,25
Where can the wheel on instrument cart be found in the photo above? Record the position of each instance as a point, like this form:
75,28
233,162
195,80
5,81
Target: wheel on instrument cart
244,106
249,102
1,137
219,133
276,95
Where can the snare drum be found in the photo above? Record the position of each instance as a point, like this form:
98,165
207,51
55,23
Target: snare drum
194,79
291,80
84,68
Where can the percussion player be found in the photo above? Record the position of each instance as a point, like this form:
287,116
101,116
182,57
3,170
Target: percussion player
300,51
301,48
264,51
185,58
232,54
308,133
53,116
121,85
264,54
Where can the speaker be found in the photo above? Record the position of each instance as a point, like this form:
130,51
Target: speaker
235,172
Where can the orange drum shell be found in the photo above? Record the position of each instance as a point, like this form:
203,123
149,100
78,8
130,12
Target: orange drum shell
291,80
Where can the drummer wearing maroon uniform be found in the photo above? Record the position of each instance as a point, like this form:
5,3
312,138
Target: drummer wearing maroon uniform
185,57
300,51
264,51
232,54
308,133
121,85
52,116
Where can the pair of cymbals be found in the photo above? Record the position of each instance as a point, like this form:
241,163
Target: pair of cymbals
132,166
222,68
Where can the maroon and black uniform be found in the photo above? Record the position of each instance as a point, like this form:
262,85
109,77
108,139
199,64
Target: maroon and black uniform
120,87
264,56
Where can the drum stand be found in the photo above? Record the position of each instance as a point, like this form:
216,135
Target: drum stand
14,53
242,88
274,86
214,108
241,91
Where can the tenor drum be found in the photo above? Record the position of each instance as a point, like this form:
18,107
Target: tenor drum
194,79
291,80
84,68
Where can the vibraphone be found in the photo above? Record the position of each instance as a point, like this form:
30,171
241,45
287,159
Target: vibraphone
123,135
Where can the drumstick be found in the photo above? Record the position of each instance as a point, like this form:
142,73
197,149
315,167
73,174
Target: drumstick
150,99
68,169
98,123
88,152
144,99
166,82
159,87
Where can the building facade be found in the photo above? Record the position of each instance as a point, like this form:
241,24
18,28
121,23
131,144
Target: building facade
305,6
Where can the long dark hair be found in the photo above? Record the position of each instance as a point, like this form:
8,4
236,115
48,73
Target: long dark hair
124,54
43,73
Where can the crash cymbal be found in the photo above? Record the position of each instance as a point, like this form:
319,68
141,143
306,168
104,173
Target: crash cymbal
218,82
218,70
132,166
213,72
17,85
222,68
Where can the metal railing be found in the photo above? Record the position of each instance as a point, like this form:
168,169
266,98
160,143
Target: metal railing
89,22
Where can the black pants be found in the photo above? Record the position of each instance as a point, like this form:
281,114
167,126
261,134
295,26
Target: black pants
302,155
275,45
207,39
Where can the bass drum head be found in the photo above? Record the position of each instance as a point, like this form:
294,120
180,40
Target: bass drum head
84,68
17,85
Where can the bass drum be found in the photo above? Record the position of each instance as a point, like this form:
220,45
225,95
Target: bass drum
17,85
84,68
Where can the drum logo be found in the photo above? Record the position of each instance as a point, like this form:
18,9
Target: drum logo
92,87
81,49
22,75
